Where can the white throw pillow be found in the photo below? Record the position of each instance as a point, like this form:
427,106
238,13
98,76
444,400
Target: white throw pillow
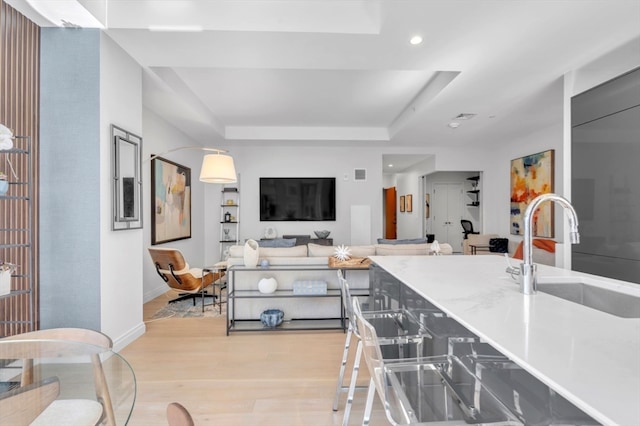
297,251
317,250
402,249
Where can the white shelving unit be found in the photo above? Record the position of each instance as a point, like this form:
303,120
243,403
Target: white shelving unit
229,218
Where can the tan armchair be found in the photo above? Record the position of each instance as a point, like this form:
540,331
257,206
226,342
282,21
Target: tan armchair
482,240
478,240
176,272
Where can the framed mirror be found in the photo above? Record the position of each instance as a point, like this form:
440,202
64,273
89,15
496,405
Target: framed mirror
127,179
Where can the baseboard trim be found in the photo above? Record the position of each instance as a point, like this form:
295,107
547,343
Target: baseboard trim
129,337
150,295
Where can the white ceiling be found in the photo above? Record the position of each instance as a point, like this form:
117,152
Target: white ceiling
343,71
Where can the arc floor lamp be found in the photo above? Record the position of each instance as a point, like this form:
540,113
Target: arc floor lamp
216,168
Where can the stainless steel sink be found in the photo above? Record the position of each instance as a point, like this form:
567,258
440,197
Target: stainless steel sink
606,300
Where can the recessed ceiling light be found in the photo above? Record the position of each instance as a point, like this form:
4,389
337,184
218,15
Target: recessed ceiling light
390,165
415,40
454,125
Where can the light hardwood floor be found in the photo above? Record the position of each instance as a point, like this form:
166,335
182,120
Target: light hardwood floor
268,378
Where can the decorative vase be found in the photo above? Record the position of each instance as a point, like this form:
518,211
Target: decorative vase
267,285
272,317
4,187
250,253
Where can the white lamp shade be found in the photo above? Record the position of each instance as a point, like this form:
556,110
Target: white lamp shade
218,168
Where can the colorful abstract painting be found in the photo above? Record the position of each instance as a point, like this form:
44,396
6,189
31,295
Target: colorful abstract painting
531,176
171,201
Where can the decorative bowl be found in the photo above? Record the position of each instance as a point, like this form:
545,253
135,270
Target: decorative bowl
272,317
322,234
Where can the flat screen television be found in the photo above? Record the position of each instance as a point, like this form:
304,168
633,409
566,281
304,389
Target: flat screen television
297,199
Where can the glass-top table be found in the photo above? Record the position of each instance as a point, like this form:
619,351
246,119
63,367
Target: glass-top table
51,381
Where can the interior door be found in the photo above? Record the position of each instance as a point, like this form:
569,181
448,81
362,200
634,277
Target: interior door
447,212
390,213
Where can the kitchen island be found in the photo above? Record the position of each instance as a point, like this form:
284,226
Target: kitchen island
589,357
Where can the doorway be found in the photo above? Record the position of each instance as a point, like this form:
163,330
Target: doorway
390,213
446,206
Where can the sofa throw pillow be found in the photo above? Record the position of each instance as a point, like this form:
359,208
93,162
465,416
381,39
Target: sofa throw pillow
236,251
295,251
404,241
402,249
499,245
317,250
278,242
362,251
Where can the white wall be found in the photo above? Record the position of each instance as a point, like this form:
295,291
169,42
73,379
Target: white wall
252,163
159,137
120,251
468,213
409,224
615,63
124,262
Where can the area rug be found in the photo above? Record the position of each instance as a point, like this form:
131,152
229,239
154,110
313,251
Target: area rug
185,309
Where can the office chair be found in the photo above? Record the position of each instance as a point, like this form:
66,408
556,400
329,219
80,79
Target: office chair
176,272
467,228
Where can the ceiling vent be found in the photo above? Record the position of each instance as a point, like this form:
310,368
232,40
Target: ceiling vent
464,116
360,174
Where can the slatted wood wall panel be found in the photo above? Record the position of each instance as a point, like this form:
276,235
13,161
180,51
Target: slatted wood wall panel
19,108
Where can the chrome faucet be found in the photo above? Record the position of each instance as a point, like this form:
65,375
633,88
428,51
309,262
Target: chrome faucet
528,281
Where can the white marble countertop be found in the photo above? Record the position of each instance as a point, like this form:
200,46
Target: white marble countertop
589,357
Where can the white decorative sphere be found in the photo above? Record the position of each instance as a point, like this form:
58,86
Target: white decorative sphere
267,285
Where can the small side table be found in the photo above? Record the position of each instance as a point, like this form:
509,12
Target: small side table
474,248
220,268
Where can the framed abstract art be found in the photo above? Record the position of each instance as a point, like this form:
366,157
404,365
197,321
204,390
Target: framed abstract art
532,175
170,201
